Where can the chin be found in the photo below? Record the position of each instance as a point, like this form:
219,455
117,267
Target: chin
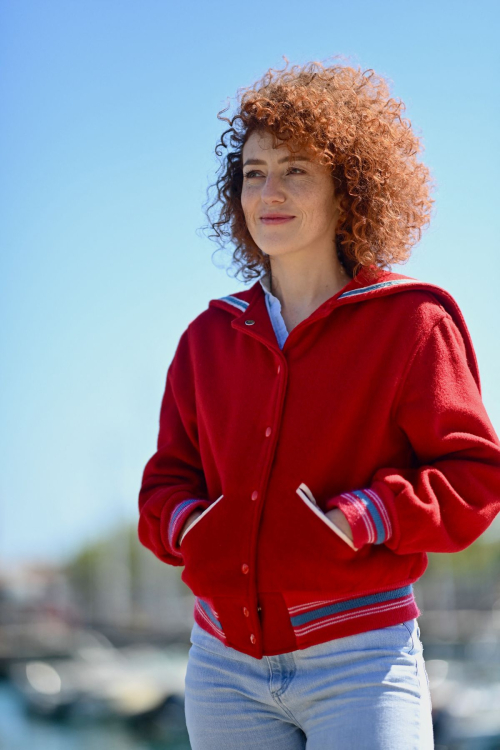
274,252
276,247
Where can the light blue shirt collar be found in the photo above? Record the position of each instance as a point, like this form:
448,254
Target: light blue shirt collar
274,308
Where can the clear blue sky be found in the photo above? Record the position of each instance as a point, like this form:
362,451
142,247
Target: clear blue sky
107,134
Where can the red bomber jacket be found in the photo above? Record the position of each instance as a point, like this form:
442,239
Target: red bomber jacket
373,406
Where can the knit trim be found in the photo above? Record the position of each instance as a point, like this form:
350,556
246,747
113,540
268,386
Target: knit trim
306,618
235,301
208,617
374,287
367,516
178,518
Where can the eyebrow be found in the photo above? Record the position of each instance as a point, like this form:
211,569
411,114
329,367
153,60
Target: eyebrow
280,161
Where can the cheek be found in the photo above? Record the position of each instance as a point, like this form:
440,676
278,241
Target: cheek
313,202
245,202
250,204
321,206
247,214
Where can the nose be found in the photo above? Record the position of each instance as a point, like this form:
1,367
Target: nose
272,190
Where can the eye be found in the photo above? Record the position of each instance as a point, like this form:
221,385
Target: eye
254,172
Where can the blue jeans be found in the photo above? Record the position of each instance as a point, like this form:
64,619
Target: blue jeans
367,691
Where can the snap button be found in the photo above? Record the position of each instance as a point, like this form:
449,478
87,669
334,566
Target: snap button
246,612
255,495
253,638
268,431
245,568
249,322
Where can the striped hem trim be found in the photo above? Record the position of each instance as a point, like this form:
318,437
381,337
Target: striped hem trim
208,616
235,301
305,619
371,523
373,287
177,520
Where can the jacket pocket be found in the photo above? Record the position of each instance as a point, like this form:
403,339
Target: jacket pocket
209,546
301,551
306,495
201,517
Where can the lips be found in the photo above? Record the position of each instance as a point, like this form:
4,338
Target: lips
276,219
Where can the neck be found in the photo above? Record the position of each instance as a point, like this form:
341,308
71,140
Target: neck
306,288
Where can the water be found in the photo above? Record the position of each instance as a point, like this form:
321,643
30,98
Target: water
20,731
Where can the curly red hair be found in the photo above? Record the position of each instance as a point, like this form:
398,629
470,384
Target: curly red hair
347,119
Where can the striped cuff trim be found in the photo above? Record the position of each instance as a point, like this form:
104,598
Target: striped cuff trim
178,519
366,514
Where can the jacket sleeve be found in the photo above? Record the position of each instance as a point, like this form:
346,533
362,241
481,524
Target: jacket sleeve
173,482
452,493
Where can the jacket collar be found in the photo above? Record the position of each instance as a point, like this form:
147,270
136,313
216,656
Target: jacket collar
357,290
248,306
238,303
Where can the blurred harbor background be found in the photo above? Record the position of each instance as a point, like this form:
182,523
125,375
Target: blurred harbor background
93,652
107,136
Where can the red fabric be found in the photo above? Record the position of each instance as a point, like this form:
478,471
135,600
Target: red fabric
375,398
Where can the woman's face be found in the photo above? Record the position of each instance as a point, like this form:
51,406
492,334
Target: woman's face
277,183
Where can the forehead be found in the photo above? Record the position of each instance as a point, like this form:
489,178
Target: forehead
262,143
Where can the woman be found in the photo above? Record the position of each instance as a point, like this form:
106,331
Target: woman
320,431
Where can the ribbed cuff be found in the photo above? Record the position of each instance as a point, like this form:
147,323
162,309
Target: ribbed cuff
178,519
366,514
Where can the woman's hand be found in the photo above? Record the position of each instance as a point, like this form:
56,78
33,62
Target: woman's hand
338,518
189,521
